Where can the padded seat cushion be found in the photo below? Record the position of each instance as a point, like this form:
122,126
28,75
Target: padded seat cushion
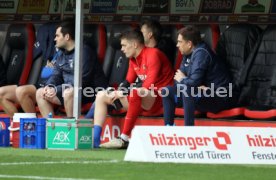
229,113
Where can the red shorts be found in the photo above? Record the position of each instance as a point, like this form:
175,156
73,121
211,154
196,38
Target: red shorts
157,105
156,108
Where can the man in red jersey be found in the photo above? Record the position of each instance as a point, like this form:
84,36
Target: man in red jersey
153,68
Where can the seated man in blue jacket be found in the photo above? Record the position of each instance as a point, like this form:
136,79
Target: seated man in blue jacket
59,87
202,82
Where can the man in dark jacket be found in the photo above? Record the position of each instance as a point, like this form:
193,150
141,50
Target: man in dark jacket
202,82
59,87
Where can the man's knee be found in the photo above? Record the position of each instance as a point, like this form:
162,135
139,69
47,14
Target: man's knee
21,92
39,94
2,93
101,95
142,93
68,94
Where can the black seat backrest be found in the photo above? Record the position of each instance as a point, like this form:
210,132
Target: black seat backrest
95,36
168,42
17,52
115,64
3,34
259,86
234,47
210,34
3,74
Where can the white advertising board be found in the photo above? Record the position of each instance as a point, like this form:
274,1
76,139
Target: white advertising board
219,145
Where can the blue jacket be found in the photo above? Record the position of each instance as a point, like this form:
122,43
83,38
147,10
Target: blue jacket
92,73
202,67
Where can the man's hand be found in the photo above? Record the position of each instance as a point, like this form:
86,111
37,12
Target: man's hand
115,95
49,64
179,75
49,92
203,87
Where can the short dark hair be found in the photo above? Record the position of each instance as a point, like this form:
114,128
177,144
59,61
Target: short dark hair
191,33
68,27
155,27
135,34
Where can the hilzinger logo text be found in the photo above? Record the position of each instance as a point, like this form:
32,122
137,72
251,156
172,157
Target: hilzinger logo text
260,141
220,142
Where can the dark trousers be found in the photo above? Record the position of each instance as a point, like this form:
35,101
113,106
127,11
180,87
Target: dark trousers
190,103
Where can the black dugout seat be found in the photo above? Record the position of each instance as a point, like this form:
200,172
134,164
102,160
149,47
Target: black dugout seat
44,49
115,63
167,43
210,34
178,57
259,79
95,36
3,74
234,48
17,52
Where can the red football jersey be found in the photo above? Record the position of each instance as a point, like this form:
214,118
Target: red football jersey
152,67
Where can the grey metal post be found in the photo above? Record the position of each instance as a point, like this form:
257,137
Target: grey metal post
78,59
